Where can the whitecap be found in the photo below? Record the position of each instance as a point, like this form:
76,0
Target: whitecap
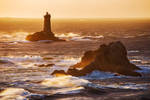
67,61
14,94
24,61
80,39
145,71
133,86
133,51
68,35
65,84
64,81
100,75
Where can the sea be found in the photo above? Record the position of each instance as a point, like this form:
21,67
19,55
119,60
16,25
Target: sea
26,66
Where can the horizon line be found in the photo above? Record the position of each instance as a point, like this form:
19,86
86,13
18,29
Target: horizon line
80,17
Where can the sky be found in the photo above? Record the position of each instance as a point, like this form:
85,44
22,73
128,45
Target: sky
75,8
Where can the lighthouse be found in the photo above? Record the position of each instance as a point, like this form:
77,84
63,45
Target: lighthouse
46,33
47,22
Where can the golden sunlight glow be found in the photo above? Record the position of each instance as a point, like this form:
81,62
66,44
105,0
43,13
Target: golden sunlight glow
13,93
75,8
59,75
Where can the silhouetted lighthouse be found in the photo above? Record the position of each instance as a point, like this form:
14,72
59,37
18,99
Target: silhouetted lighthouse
47,22
46,33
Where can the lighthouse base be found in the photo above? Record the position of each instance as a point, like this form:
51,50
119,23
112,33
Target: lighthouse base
42,36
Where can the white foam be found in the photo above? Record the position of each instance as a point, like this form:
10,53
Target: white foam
53,68
68,35
24,61
86,38
133,51
78,37
145,70
136,61
14,94
64,63
69,90
18,94
67,61
100,75
94,37
64,81
133,86
127,86
16,36
22,58
65,84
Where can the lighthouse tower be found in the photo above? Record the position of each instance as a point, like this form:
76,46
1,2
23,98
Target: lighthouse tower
47,22
46,33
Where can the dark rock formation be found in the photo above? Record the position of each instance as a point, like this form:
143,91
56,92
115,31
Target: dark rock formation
46,34
88,57
59,71
108,58
45,65
42,36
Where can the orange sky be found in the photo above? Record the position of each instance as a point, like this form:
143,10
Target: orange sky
75,8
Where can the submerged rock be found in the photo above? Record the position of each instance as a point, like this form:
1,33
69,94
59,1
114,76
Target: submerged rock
108,58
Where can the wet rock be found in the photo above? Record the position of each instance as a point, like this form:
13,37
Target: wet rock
108,58
88,57
59,71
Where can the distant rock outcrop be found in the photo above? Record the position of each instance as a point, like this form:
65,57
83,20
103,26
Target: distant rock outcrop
42,36
46,34
108,58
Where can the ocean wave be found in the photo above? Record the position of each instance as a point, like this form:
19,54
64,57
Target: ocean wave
15,36
67,61
101,75
24,61
78,37
64,81
14,94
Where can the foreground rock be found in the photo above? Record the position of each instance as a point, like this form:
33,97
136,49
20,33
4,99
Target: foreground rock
108,58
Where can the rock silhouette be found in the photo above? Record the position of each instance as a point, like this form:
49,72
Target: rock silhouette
108,58
46,34
59,71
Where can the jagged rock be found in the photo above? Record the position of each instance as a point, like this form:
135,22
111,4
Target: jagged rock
108,58
88,57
